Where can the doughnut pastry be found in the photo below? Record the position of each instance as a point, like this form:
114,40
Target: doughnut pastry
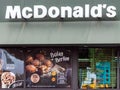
31,68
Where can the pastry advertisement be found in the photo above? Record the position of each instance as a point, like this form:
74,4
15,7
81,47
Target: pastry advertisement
48,67
11,68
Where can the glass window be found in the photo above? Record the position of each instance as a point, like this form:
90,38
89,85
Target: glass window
35,67
97,68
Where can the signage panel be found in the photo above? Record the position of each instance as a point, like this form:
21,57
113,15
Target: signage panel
65,10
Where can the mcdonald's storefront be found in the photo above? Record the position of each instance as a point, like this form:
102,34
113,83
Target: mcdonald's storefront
60,45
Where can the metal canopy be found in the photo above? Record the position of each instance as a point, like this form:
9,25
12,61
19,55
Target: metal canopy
85,32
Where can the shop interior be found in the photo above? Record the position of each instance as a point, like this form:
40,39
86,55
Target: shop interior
97,68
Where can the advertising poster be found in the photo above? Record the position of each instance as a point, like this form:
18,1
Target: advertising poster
11,68
48,67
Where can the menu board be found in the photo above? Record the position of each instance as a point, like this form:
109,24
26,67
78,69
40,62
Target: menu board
48,67
11,68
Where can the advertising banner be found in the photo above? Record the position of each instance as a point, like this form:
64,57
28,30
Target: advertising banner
35,67
11,68
48,67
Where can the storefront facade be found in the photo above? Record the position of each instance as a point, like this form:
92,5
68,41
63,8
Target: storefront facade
60,51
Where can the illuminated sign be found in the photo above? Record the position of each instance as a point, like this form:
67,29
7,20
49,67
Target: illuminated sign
41,11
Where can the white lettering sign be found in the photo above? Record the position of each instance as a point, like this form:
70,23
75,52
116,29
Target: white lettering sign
41,11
